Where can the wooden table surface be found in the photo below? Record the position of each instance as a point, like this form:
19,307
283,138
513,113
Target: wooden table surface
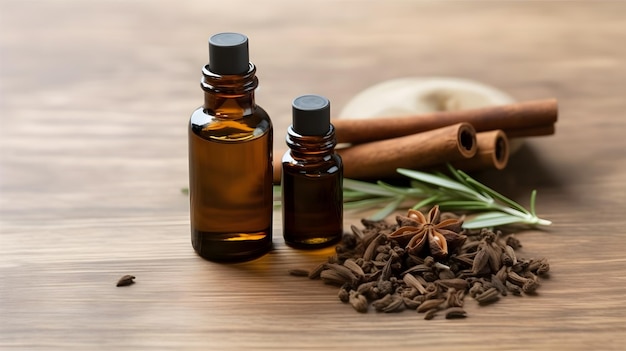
95,98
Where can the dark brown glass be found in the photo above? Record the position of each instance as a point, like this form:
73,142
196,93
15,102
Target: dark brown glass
312,192
230,170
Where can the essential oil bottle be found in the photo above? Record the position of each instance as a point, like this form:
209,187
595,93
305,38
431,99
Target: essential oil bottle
230,158
312,177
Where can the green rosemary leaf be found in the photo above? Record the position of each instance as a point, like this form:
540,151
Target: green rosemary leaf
441,193
464,205
541,221
351,195
455,173
469,182
491,219
276,195
493,194
437,180
366,203
430,200
492,214
366,187
423,187
533,197
387,210
400,190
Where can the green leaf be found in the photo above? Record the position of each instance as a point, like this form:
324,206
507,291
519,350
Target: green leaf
464,205
367,203
489,215
400,190
422,186
456,174
533,197
491,219
387,210
435,180
351,195
426,202
496,195
366,187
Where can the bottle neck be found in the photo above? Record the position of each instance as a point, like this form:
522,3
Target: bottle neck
307,146
229,96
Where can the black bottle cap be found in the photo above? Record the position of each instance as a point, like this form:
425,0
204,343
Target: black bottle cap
228,54
311,115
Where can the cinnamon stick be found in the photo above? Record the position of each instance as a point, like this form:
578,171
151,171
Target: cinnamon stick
526,132
380,159
278,169
492,151
511,117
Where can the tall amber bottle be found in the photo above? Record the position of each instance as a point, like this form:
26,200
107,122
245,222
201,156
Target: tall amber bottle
230,158
312,177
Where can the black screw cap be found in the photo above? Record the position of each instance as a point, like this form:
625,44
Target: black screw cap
228,53
311,115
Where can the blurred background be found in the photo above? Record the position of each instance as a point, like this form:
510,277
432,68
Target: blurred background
95,98
95,83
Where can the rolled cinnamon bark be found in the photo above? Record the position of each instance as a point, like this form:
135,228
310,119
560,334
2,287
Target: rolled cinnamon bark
526,116
380,159
278,169
527,132
492,151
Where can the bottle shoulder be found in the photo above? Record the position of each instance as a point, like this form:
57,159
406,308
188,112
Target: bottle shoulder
329,164
247,127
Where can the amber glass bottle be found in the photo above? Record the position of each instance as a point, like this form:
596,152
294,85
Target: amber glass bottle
230,158
312,177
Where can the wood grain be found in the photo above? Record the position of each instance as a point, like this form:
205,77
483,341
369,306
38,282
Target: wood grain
94,104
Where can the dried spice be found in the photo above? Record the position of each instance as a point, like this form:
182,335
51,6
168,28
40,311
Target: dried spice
394,267
299,272
455,312
126,280
419,232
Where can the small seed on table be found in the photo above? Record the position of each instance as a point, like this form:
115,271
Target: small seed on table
455,312
126,280
299,272
488,296
430,314
429,304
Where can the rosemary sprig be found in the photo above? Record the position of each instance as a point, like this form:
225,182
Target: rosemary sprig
276,195
460,192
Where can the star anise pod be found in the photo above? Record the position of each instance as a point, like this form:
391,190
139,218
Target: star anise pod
418,232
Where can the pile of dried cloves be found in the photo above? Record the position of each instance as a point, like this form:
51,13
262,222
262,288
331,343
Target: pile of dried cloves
426,263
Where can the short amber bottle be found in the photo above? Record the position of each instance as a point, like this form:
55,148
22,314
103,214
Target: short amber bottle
312,177
230,158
